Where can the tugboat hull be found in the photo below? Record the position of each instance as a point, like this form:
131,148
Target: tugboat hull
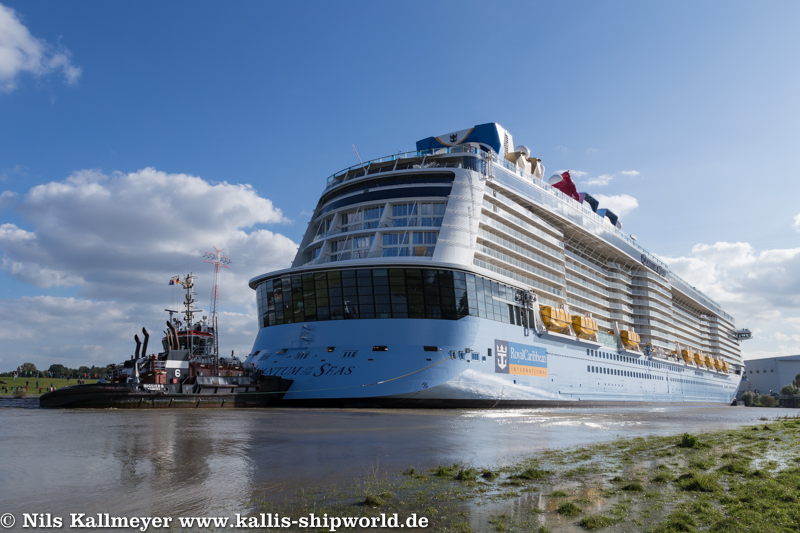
132,396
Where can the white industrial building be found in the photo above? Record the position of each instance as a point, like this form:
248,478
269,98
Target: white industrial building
770,374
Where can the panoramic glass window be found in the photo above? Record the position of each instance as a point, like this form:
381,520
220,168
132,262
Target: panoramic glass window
366,293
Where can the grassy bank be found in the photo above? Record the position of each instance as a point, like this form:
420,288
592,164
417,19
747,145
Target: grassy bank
43,383
733,480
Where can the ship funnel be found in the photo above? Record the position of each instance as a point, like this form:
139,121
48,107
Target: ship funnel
173,339
144,346
138,345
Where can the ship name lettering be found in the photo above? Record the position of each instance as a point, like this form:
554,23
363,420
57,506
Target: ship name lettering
332,370
284,371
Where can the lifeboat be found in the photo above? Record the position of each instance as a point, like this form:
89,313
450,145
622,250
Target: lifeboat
725,367
717,364
557,320
630,339
688,356
585,327
699,360
709,362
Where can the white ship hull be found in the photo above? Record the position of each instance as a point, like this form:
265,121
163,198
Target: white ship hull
575,373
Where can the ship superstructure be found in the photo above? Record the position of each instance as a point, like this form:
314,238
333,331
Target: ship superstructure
456,274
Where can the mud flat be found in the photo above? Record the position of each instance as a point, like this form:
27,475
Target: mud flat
745,479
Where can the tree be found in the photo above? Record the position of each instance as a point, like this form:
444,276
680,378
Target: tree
786,390
747,398
57,370
796,382
767,401
27,367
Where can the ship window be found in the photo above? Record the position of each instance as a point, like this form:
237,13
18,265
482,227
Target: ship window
384,293
331,348
431,348
380,348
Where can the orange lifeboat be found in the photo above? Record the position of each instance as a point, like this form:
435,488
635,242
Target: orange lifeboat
630,339
585,327
718,364
688,356
557,320
699,360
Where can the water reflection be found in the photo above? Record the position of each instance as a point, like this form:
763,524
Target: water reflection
196,462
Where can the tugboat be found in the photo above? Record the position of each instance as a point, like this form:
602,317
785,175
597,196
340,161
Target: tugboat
187,373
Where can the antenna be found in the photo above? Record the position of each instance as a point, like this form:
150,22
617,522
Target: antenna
358,156
218,260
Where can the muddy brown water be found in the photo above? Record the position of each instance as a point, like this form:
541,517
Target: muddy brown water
207,463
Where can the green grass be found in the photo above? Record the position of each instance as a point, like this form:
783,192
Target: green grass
467,474
698,482
662,477
569,509
532,472
633,487
374,501
489,475
596,522
44,383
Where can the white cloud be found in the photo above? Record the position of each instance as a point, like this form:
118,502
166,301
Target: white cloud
796,224
117,239
22,52
761,290
621,204
591,151
562,149
573,173
600,181
633,173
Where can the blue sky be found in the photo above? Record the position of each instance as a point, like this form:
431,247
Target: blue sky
684,116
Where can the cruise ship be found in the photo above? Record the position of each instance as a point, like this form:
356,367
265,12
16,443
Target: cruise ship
457,275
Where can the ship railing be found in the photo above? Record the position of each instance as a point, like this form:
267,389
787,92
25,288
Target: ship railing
365,254
359,226
342,176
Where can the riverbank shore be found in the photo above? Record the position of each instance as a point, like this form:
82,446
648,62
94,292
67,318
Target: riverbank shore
744,479
33,391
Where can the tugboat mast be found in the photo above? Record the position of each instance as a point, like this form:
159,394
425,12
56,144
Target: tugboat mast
188,283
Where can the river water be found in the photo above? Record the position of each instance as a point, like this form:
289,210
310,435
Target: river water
207,462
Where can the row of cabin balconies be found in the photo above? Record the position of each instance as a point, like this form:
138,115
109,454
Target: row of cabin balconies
488,223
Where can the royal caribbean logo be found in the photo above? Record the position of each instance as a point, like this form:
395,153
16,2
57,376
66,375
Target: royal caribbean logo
501,357
520,359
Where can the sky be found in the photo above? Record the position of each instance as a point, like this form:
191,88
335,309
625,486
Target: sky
135,136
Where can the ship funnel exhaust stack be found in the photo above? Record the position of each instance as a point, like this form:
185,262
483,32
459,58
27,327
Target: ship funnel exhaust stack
146,338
